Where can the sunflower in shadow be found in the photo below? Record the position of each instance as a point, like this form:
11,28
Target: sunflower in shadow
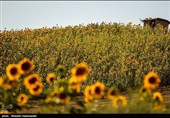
145,90
112,93
120,101
61,71
157,97
52,96
10,84
25,66
6,83
151,80
63,98
97,90
145,93
54,93
158,101
80,72
12,71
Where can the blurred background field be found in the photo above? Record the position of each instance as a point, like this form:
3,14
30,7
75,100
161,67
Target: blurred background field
117,54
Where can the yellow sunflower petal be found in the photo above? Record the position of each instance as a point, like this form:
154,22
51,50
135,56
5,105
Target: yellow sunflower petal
50,78
80,71
152,80
22,99
112,94
157,97
97,90
120,101
36,89
12,72
25,66
32,79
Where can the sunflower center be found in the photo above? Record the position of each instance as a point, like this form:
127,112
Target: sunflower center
63,96
51,79
36,88
11,82
157,99
152,80
13,71
143,90
55,95
80,71
60,70
113,92
22,98
32,80
25,66
89,91
97,90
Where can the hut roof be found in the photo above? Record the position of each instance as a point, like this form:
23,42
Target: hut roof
146,19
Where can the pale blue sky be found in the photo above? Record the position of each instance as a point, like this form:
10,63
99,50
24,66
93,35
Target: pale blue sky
37,14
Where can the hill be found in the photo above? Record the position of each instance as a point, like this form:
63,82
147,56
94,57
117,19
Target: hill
117,54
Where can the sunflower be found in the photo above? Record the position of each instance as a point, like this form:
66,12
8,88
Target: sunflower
22,99
112,93
144,90
7,83
158,101
88,99
63,98
87,94
1,81
120,101
61,69
25,66
80,71
48,100
74,85
145,93
88,91
158,107
36,89
30,80
157,97
12,71
54,93
97,90
151,80
5,112
10,84
50,78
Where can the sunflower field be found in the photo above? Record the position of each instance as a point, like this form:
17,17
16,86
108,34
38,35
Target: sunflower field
97,68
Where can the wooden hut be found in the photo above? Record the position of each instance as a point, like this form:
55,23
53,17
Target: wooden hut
153,22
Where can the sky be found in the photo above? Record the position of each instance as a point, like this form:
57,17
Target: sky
18,15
